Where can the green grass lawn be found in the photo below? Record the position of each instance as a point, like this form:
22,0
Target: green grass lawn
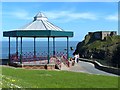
24,78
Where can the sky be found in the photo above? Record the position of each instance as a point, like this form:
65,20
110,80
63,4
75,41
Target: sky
79,17
60,0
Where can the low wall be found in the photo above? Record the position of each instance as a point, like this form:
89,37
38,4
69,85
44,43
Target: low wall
41,66
102,67
30,66
34,66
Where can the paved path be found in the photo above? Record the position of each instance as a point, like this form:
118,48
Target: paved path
87,67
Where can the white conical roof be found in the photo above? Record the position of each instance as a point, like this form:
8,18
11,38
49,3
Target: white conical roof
40,22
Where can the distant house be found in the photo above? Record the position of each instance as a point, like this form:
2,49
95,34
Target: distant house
102,34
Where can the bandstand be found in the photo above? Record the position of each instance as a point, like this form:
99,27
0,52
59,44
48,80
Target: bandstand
40,27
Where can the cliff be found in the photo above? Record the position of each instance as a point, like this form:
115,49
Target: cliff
98,49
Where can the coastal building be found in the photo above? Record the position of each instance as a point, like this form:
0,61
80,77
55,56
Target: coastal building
102,34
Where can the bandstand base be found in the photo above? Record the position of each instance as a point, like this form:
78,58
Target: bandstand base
33,65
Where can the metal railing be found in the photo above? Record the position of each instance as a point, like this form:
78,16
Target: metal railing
65,61
57,61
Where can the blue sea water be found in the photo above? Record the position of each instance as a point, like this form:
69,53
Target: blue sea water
41,46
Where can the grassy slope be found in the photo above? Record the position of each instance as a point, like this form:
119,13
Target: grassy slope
54,79
99,44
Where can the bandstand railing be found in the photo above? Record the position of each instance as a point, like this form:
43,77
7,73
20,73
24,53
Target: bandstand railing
65,60
40,57
56,60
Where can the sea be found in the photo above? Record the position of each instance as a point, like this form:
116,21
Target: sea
41,46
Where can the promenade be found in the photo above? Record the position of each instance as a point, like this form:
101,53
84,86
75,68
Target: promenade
87,67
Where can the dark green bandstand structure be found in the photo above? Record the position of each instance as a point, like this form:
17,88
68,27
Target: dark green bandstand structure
40,27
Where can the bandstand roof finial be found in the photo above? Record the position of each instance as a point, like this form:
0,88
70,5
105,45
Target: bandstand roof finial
40,16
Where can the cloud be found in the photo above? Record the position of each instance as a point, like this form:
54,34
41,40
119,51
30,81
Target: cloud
112,17
70,15
19,14
85,15
62,16
58,16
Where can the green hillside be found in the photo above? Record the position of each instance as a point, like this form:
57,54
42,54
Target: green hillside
110,43
102,50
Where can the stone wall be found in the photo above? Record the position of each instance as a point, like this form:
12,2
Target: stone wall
102,34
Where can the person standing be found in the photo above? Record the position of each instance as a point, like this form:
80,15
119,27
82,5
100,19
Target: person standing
76,58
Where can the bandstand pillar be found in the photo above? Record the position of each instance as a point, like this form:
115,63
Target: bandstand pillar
67,47
48,50
17,47
34,48
53,46
21,52
9,51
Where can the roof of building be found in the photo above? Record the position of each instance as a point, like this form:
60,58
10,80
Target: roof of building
39,27
40,22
